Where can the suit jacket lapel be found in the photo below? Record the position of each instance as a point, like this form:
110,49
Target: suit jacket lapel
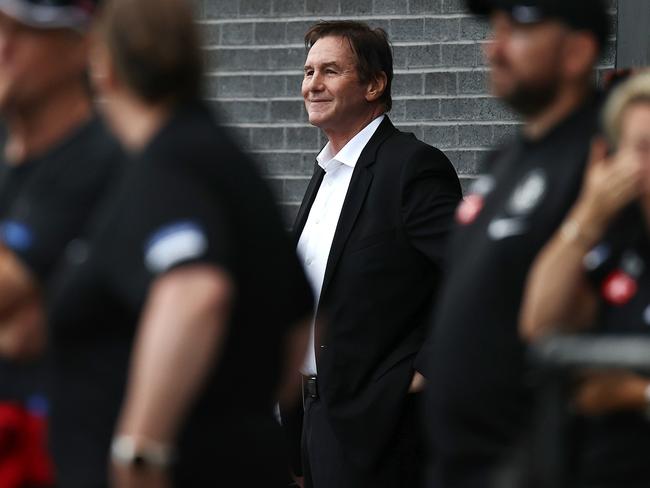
356,195
307,202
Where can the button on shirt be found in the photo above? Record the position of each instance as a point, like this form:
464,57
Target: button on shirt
317,236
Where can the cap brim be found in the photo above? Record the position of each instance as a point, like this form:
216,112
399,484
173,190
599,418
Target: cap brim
520,13
486,7
46,16
480,7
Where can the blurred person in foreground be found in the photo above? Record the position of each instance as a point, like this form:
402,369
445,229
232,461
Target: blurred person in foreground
594,274
541,55
371,234
55,164
168,332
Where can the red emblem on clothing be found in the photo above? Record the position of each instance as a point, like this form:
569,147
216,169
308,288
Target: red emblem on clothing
469,209
24,460
619,288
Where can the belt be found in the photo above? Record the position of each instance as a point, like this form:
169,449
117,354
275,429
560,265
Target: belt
310,387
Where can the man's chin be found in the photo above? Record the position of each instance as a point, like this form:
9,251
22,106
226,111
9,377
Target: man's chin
317,120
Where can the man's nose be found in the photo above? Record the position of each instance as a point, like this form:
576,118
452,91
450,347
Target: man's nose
315,82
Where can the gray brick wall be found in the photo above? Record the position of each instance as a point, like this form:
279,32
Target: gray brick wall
255,53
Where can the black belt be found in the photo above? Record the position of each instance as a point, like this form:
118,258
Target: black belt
310,387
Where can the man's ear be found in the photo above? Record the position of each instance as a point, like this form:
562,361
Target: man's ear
376,87
580,54
102,70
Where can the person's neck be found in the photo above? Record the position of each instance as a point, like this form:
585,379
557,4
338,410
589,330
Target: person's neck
567,101
338,139
136,123
33,130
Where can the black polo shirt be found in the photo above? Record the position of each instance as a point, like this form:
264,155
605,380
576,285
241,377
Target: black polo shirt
478,397
612,450
45,203
190,197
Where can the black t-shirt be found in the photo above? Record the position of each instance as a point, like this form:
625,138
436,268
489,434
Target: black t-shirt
613,449
479,401
191,197
45,203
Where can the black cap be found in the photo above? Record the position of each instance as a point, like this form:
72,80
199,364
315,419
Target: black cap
51,14
590,15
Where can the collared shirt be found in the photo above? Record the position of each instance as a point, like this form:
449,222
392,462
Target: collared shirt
317,236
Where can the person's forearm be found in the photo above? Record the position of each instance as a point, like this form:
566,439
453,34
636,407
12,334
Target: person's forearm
16,282
177,345
601,393
557,292
22,332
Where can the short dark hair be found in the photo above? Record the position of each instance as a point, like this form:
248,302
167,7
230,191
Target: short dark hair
155,46
370,46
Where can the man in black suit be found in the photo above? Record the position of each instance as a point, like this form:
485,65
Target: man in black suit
371,232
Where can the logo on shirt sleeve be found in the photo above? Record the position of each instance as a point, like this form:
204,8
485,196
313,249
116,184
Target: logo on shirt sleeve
622,284
16,235
619,288
471,206
469,209
173,244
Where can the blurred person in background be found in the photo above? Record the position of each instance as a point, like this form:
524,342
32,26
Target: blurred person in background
168,330
541,55
54,167
371,233
594,274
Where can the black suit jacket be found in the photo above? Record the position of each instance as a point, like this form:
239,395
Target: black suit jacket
382,273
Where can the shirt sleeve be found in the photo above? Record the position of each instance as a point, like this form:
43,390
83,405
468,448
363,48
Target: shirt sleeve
430,195
165,218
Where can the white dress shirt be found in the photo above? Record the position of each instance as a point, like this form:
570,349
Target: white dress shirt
317,236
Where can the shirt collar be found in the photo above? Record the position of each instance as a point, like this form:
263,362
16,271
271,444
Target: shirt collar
350,153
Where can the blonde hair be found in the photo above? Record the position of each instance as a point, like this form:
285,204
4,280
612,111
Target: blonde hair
633,91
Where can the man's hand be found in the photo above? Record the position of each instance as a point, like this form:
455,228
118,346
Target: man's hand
129,477
290,392
608,392
417,383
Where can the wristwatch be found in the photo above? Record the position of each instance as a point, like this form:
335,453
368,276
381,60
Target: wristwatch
141,453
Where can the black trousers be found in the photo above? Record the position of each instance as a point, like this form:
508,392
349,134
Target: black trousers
325,466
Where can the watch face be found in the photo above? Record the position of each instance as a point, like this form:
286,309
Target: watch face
124,452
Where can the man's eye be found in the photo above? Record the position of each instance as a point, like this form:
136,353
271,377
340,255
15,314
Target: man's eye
330,71
309,73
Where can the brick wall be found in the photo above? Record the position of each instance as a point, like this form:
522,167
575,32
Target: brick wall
255,55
